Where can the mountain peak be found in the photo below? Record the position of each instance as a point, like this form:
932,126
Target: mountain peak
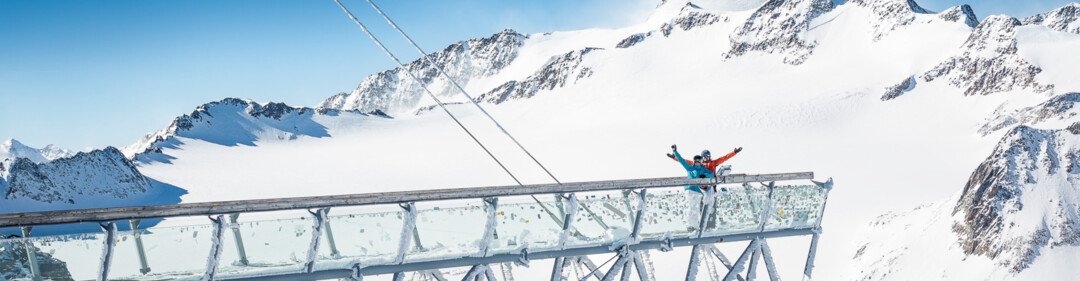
12,148
962,12
1066,18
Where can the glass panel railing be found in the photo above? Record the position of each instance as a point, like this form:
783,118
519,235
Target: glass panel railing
796,206
271,241
369,234
59,257
604,217
668,213
448,229
523,222
175,248
736,209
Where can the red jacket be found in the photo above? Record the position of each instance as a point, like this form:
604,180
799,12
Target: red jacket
712,165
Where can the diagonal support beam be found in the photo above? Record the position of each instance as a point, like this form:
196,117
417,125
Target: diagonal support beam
31,257
144,266
741,262
766,254
238,239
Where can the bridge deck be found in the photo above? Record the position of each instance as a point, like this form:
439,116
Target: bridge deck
302,238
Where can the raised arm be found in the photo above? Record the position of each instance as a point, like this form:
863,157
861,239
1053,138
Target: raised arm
678,158
718,161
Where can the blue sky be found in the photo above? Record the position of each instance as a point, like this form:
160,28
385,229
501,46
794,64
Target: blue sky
94,73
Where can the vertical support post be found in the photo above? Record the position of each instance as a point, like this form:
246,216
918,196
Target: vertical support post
569,210
107,250
741,262
316,237
491,204
695,252
357,274
766,254
31,257
635,234
809,269
215,247
238,239
144,266
399,276
766,211
408,227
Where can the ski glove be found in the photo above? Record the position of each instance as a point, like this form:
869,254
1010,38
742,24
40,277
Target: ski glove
738,149
672,156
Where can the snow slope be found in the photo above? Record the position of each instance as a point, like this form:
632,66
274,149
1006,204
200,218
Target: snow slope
605,103
799,83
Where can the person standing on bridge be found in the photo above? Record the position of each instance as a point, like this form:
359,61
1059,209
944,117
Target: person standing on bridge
708,162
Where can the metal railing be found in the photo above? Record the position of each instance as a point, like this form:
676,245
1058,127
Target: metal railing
630,250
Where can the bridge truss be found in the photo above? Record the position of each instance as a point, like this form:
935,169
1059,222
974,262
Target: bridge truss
428,234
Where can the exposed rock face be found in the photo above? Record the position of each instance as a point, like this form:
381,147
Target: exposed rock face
988,62
1063,108
14,263
776,28
1004,213
234,121
1061,19
890,14
899,89
962,13
99,173
559,71
689,17
394,91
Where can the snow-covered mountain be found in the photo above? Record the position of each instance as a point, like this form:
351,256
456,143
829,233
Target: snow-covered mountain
900,104
1065,19
232,122
989,63
11,149
1017,212
96,178
393,91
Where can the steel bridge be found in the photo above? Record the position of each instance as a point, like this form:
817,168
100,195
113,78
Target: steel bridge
478,233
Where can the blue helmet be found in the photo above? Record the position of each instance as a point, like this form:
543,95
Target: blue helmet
706,154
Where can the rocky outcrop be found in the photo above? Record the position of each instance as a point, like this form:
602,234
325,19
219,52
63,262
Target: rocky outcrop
14,263
899,89
962,14
689,17
1061,19
394,91
988,62
559,71
95,174
776,28
1003,212
890,14
1061,109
